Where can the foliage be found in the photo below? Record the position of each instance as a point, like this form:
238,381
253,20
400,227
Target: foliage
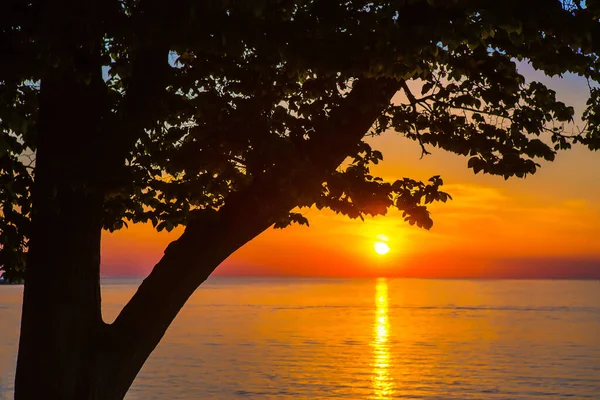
201,100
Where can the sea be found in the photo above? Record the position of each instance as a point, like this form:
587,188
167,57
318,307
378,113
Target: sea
291,338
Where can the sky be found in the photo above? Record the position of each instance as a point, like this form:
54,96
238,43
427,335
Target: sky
544,226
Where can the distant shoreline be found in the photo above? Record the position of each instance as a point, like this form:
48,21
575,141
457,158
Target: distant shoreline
138,279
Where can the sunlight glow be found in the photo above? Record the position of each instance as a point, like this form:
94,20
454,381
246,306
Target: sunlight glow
381,248
382,381
383,238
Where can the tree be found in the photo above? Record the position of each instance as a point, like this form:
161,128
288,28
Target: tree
228,117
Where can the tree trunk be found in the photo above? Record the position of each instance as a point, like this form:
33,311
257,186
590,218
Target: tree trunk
61,322
66,351
205,243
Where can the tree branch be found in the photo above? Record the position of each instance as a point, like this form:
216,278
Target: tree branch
413,102
209,240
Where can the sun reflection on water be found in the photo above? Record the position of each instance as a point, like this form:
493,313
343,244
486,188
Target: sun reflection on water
382,381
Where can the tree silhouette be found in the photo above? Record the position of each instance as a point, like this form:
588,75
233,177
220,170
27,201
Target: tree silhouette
227,117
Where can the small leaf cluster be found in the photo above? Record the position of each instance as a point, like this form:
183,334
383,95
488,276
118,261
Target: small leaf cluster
356,193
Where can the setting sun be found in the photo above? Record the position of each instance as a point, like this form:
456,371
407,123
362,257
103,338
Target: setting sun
381,248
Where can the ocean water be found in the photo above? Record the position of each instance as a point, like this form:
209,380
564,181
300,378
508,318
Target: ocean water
256,338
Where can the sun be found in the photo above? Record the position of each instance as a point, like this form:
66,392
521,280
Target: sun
381,248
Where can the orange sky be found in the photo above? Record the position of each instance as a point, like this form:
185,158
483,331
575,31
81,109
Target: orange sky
547,225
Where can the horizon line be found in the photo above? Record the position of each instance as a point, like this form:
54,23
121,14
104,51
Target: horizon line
467,277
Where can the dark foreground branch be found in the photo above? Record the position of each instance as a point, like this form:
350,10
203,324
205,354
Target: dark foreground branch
205,243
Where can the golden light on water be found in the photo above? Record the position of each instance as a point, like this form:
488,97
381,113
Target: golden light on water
382,381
